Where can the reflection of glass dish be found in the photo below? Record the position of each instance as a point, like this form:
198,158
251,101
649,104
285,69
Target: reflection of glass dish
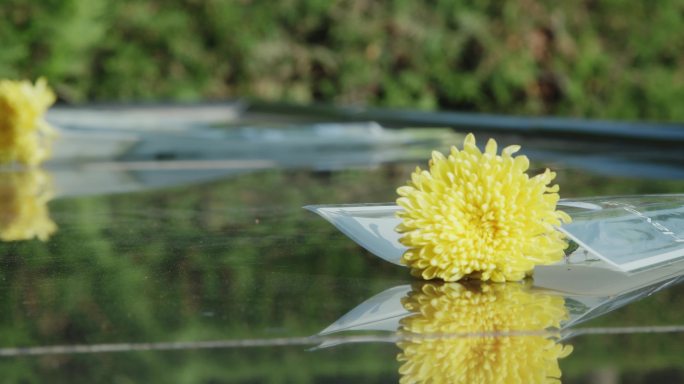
628,233
122,150
589,292
457,332
583,309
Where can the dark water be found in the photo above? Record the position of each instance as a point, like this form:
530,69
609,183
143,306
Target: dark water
232,257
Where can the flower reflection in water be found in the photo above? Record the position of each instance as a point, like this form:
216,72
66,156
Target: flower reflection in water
24,198
477,307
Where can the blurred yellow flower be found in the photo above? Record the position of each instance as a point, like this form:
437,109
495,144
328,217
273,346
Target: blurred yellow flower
24,212
456,309
479,215
25,136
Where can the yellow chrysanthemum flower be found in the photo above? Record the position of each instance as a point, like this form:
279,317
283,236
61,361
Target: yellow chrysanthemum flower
451,309
24,134
480,215
24,212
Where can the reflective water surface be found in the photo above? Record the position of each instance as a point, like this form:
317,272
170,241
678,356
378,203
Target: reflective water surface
209,271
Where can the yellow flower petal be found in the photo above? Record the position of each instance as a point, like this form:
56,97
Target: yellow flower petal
24,134
479,215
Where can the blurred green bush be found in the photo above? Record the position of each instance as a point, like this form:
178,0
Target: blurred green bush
606,59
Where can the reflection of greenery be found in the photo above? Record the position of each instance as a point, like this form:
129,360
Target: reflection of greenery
188,264
540,56
476,307
24,213
580,183
235,258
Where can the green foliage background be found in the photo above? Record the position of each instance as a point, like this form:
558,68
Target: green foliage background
607,59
